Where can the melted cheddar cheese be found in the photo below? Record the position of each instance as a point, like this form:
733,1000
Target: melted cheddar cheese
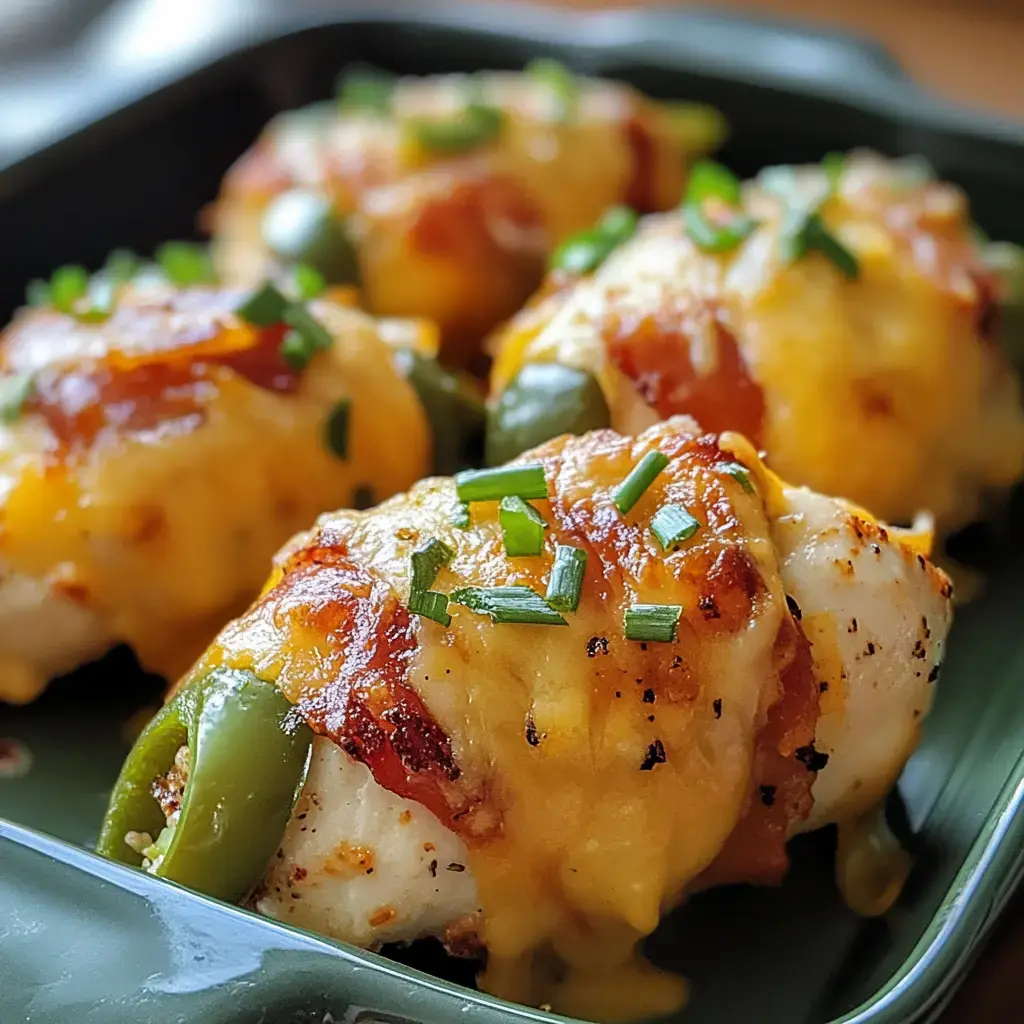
889,389
161,458
593,779
459,238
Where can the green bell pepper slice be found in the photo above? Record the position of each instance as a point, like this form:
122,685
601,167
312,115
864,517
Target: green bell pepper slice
249,752
543,401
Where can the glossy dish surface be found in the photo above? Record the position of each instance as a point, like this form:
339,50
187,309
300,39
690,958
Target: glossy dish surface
965,769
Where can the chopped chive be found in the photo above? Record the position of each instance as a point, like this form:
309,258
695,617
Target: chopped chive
15,390
522,527
296,351
524,480
656,623
121,265
740,473
309,327
102,296
185,263
307,282
67,285
833,164
366,90
336,429
508,605
804,230
460,515
37,292
566,581
618,222
264,307
711,180
431,605
427,562
560,82
711,237
640,477
672,524
474,125
587,250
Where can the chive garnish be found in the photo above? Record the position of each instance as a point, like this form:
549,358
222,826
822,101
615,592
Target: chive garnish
508,605
366,90
474,125
264,307
67,285
431,605
524,480
336,429
740,473
655,623
640,477
314,332
522,527
560,82
566,581
803,231
710,180
185,263
833,164
460,515
587,250
307,282
15,390
427,562
672,524
296,351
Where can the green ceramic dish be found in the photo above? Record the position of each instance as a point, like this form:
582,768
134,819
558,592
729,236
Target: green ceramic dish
134,154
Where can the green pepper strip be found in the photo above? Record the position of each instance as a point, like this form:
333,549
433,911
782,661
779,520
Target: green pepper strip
249,752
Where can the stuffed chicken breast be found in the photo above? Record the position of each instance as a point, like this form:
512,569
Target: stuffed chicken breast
845,317
442,196
155,451
542,704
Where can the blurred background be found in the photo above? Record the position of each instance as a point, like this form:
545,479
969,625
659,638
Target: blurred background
968,50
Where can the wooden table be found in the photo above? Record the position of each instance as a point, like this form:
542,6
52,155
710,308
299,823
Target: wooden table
971,51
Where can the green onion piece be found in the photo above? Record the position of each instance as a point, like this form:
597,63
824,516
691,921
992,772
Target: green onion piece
309,327
566,583
336,429
122,265
711,237
296,350
833,164
641,476
307,282
15,390
655,623
524,480
427,562
803,231
460,515
521,526
740,473
264,307
102,295
475,125
672,524
618,222
560,82
697,127
711,180
587,250
508,604
67,285
185,263
366,91
37,293
431,605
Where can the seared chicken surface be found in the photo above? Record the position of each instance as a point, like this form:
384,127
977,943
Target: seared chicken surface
151,462
545,791
448,192
849,329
